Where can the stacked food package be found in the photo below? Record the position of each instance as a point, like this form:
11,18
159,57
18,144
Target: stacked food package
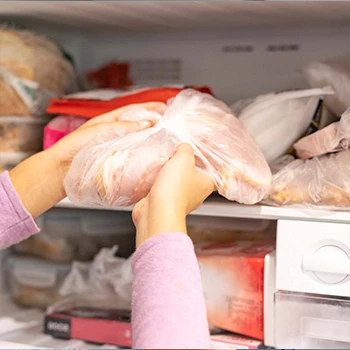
33,69
38,266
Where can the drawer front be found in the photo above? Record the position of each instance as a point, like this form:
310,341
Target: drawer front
313,257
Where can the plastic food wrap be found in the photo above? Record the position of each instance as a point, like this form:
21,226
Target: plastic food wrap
19,134
60,127
321,181
277,120
117,170
33,69
335,73
333,138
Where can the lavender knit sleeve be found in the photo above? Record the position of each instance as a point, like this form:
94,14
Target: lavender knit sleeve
16,224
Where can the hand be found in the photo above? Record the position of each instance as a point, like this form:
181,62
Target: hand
39,179
69,146
178,190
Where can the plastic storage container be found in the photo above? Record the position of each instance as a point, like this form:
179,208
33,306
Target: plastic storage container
79,234
310,321
33,282
21,134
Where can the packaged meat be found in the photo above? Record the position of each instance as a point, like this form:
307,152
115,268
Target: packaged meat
334,73
33,282
18,134
233,284
320,181
60,127
32,70
277,120
93,103
333,138
73,234
115,170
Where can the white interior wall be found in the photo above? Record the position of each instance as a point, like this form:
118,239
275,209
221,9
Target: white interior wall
232,75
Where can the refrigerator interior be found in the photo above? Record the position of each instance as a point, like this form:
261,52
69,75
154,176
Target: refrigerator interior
239,49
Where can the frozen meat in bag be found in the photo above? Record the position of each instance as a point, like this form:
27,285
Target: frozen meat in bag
115,170
333,138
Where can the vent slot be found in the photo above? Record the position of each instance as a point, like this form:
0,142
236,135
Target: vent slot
237,48
282,48
156,69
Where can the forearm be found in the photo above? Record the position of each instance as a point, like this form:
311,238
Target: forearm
168,302
39,182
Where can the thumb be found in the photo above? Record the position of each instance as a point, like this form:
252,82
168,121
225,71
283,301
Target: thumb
124,127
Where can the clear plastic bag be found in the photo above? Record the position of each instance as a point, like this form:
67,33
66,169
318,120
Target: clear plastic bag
322,181
277,120
106,282
335,73
117,170
333,138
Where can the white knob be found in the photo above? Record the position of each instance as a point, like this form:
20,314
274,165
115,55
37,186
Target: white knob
329,264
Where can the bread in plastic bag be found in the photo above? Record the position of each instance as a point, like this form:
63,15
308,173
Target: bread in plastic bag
333,138
277,120
320,181
117,170
334,73
29,61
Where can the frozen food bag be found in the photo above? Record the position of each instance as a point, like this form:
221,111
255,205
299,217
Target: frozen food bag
334,73
60,127
115,170
277,120
33,69
333,138
321,181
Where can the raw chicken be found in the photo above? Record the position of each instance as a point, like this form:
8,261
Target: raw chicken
119,170
333,138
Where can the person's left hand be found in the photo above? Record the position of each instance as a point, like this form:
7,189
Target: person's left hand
69,146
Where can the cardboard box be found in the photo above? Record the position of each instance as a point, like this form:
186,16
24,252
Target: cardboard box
91,324
233,284
233,341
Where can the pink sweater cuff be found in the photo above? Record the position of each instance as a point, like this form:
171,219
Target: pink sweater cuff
16,224
168,302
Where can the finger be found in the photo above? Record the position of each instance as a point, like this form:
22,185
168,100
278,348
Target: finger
115,114
184,154
123,126
205,183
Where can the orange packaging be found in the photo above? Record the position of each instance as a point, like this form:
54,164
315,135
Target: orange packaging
233,284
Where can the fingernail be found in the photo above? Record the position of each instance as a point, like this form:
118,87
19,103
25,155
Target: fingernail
144,123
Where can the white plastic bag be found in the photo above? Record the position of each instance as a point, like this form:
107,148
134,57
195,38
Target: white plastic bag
117,170
277,120
107,281
334,73
333,138
321,181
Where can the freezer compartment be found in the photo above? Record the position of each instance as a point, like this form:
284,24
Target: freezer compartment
34,283
307,321
74,234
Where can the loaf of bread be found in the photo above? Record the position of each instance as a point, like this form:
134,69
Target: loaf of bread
321,181
31,57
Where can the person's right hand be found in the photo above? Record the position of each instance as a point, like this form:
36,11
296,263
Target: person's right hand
178,190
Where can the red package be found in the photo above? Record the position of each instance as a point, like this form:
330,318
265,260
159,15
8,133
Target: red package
91,324
233,284
113,76
90,106
60,127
